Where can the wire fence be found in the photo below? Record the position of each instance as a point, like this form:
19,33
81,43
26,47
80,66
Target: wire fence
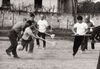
8,19
66,21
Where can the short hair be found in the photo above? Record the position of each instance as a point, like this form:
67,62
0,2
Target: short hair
79,18
33,27
29,22
32,14
24,19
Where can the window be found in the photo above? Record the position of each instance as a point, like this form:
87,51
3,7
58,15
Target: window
5,2
38,3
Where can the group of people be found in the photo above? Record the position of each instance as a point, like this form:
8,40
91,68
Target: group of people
83,31
30,30
26,32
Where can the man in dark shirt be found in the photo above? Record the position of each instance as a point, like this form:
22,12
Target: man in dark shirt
84,44
94,34
13,35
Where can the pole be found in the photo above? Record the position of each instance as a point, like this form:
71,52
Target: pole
93,11
74,7
13,19
2,20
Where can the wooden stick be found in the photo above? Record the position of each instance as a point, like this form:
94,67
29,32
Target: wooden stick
82,35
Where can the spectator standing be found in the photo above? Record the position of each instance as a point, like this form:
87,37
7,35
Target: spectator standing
86,38
79,29
42,27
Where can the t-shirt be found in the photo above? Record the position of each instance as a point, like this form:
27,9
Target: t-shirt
42,25
18,27
96,29
81,28
28,33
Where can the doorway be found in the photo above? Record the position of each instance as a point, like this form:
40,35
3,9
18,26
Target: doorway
38,3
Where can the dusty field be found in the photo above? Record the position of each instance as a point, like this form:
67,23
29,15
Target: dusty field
59,57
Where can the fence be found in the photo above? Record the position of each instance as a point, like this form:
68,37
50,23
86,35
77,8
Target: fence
8,19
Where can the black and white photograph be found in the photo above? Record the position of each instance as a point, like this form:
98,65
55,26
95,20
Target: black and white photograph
49,34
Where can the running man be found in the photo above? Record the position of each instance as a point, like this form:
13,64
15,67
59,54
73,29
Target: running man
28,37
95,34
13,36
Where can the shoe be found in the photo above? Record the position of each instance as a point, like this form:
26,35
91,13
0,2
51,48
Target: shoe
73,56
16,57
8,53
86,49
93,48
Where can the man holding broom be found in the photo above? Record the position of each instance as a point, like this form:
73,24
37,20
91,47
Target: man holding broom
29,35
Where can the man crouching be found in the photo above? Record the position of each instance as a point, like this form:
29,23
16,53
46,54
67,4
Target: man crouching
28,37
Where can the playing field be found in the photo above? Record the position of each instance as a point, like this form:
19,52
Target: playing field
59,57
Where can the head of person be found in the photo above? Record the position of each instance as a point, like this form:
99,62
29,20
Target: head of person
87,18
32,15
34,29
28,23
24,19
80,19
42,17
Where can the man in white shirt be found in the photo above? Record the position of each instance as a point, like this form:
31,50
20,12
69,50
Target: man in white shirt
79,29
42,27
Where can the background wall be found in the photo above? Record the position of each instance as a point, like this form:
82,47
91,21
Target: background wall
65,21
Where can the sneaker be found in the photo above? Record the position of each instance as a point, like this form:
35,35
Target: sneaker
8,53
73,56
16,57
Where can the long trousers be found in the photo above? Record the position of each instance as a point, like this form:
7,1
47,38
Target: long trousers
29,43
13,40
77,42
98,64
43,36
84,44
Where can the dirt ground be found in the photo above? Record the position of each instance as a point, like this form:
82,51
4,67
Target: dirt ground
59,57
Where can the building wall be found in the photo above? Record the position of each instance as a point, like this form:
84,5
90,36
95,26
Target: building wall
48,5
65,6
16,2
68,6
20,2
0,3
53,4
